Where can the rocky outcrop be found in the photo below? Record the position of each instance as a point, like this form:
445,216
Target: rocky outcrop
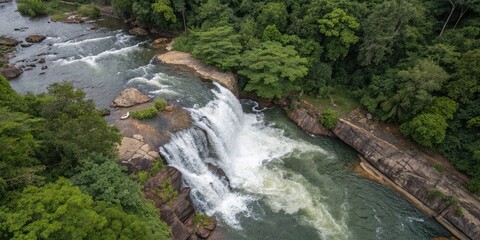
226,79
129,97
35,38
306,117
10,71
135,154
219,172
138,31
8,42
176,207
419,178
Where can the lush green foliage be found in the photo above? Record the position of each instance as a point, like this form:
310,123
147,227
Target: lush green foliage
426,129
160,104
89,11
329,118
145,113
33,8
61,211
273,70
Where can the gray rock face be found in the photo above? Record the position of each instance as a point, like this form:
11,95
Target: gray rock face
10,71
416,175
307,118
35,38
138,31
129,97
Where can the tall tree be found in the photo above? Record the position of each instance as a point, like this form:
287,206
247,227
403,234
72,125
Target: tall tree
273,70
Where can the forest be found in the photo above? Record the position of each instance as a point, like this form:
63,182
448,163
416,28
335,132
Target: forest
410,62
58,157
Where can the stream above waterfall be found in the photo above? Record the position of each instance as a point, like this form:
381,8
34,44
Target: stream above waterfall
283,183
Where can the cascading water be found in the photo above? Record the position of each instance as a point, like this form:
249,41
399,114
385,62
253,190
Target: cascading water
243,146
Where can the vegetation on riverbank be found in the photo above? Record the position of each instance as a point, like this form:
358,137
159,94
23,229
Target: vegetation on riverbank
399,58
58,165
57,9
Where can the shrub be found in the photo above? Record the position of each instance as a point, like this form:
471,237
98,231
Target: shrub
32,8
183,44
160,104
202,219
474,185
440,168
432,195
157,165
142,177
145,113
458,212
89,11
329,118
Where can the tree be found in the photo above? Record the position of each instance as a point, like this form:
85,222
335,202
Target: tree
219,46
271,33
426,129
164,7
73,129
466,80
383,28
329,118
18,164
274,13
442,106
339,28
61,211
103,179
273,70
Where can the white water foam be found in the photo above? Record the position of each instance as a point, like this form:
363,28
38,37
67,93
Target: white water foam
92,59
74,43
250,153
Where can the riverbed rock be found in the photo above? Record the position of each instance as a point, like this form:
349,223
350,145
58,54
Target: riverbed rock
208,72
138,31
10,71
307,118
36,38
42,60
219,172
414,173
129,97
8,42
136,155
26,45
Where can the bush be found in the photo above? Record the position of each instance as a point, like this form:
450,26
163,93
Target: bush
329,118
160,104
182,44
32,8
202,219
89,11
157,165
145,113
142,177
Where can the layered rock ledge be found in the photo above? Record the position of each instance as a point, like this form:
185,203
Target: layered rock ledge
408,171
205,71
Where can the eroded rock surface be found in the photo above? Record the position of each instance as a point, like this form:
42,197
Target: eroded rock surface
36,38
135,154
226,79
138,31
10,71
8,42
130,97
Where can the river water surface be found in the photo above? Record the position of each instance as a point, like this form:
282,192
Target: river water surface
284,183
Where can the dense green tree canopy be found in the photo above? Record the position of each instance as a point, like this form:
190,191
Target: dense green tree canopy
273,70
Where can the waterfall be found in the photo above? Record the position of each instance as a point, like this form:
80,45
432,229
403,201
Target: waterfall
248,150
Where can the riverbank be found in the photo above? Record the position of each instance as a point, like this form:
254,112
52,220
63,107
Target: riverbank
409,171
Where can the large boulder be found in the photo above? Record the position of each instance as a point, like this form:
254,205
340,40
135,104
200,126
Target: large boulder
130,97
138,31
35,38
136,155
10,71
8,42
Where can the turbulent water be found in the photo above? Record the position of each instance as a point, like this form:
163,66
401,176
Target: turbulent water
283,183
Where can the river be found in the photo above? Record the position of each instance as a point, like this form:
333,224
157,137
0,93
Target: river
284,183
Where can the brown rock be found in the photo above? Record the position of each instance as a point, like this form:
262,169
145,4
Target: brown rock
129,97
183,207
35,38
8,42
10,71
219,172
202,232
138,31
212,225
93,27
160,41
169,108
42,60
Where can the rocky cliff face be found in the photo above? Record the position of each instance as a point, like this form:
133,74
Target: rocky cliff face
449,200
306,117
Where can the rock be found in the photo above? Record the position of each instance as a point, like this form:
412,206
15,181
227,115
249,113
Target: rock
219,172
28,69
42,73
307,119
212,225
35,38
129,97
138,31
93,27
139,137
25,45
22,29
10,71
130,20
42,60
202,232
133,154
179,230
169,108
369,116
105,111
31,65
44,67
160,41
8,42
183,206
